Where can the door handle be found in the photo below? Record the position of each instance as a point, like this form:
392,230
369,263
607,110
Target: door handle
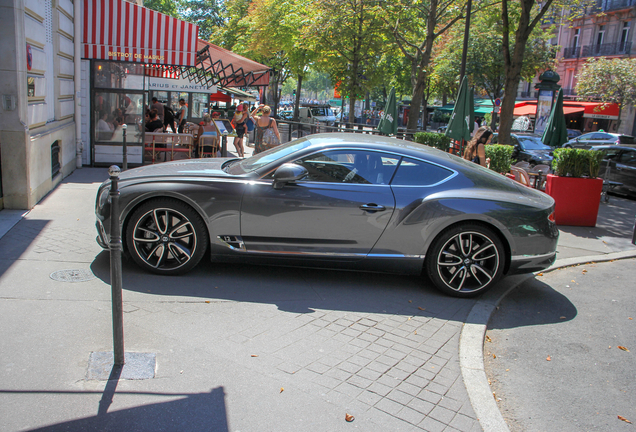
372,207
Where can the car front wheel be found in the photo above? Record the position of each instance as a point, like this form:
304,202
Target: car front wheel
166,236
465,260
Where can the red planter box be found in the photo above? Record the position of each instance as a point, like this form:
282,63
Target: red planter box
576,199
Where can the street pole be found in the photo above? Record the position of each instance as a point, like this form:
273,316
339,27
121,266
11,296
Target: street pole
115,267
224,144
462,71
125,160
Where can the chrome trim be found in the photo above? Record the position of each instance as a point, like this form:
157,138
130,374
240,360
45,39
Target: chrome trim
396,256
525,257
233,242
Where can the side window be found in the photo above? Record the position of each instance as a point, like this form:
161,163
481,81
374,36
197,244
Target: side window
348,166
599,137
412,172
628,157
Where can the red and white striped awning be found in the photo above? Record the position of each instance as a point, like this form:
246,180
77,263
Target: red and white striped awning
120,30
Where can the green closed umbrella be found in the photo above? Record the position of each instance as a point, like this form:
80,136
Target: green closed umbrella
556,131
462,120
388,122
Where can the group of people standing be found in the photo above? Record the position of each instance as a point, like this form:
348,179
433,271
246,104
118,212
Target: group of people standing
166,116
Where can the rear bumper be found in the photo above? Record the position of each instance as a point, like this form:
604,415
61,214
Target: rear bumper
531,263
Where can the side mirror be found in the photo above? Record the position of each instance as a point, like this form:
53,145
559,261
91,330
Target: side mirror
288,173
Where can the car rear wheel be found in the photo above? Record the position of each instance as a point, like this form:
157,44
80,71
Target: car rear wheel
465,260
166,236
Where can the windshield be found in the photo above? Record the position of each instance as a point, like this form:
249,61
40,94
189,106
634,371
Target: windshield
321,112
532,143
255,162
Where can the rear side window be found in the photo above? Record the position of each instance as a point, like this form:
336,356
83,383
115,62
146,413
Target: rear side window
412,172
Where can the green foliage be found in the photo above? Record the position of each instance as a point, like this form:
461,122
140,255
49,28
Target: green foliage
614,80
207,14
576,162
500,157
441,116
431,139
167,7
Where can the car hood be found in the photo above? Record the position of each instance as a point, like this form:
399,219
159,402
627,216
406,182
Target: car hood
191,167
543,154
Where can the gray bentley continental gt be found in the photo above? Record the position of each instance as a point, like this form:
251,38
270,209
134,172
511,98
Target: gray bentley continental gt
351,201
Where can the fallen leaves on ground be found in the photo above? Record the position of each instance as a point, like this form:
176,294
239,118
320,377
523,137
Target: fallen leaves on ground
415,332
350,418
622,348
584,271
624,419
561,317
254,355
420,308
410,301
488,339
631,318
282,389
207,301
494,356
548,358
540,274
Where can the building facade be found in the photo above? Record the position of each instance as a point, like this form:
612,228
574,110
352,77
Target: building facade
607,30
38,144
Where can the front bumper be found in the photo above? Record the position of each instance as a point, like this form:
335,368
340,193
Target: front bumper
102,239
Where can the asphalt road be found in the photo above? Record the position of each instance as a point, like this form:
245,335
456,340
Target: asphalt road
552,351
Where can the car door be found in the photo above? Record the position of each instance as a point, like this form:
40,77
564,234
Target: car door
626,170
339,209
586,140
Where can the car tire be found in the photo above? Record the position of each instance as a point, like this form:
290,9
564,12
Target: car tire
166,236
567,146
465,260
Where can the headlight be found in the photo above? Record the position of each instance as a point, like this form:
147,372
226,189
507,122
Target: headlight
104,197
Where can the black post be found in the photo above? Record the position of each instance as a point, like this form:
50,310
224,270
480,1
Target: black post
125,160
634,235
115,267
224,145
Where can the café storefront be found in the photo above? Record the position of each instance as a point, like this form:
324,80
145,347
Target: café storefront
132,54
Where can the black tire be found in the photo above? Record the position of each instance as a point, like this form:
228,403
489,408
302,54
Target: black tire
465,260
166,236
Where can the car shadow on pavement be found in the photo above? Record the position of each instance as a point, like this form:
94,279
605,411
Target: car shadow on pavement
299,290
532,303
185,411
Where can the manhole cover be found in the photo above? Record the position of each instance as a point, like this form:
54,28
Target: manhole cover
72,275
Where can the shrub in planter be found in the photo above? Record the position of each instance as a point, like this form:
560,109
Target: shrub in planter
500,157
575,187
432,139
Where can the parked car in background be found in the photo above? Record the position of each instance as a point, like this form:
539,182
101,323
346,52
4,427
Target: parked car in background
286,114
619,165
588,140
361,202
528,147
573,133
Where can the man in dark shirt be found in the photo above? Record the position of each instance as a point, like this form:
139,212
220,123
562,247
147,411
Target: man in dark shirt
154,123
158,106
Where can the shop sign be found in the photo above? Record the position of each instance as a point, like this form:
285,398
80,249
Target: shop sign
177,85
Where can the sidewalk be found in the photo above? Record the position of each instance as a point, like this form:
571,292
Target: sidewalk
238,348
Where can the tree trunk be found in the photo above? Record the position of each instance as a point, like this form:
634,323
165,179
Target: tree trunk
299,86
416,104
513,77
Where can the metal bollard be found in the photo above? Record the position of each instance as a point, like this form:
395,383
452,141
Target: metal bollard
115,267
224,145
634,234
125,150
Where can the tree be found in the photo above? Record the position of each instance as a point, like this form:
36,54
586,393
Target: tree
613,80
167,7
207,14
415,27
349,36
519,21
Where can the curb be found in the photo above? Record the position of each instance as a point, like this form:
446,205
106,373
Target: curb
471,340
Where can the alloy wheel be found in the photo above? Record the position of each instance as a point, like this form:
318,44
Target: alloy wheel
164,239
468,262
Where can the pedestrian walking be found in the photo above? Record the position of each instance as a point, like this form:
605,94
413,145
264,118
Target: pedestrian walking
267,135
239,119
182,115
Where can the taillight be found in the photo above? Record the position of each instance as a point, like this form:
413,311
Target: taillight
551,217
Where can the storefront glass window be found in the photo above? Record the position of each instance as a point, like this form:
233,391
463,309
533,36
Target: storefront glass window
118,75
199,105
112,110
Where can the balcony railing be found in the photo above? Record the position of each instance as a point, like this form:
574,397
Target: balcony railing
606,49
572,52
607,5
